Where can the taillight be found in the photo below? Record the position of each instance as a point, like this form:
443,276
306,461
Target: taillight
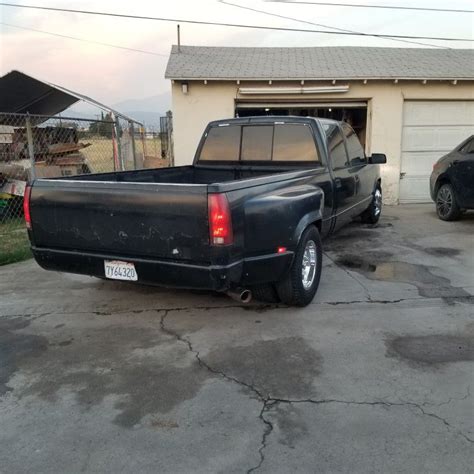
26,207
220,220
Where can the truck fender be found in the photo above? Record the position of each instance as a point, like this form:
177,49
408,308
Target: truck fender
311,217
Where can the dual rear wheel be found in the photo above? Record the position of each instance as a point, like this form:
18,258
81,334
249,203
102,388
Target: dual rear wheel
301,283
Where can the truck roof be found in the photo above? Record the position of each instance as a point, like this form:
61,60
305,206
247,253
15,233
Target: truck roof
270,118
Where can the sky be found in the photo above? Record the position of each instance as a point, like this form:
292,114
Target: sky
111,75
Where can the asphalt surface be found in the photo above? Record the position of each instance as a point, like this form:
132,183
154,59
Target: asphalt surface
375,376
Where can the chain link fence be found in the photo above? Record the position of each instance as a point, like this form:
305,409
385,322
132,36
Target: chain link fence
33,146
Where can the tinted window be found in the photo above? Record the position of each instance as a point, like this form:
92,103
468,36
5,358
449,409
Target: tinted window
257,142
222,143
354,148
294,142
337,150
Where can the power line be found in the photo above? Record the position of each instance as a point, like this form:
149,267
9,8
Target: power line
359,5
230,25
224,2
84,40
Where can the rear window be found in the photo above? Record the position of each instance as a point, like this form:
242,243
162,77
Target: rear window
279,142
294,142
257,143
222,143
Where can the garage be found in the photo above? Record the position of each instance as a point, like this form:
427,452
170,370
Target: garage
412,104
430,130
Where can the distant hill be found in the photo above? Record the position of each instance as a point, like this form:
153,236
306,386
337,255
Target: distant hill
147,110
150,119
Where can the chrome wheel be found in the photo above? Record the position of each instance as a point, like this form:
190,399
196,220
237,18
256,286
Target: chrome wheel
377,202
444,201
308,268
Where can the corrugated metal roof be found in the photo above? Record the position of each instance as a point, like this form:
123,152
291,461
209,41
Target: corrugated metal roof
319,63
21,94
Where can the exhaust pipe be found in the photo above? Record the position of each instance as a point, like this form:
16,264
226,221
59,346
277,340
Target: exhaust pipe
240,295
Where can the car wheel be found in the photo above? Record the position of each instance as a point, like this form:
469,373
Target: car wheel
266,293
300,285
446,205
372,214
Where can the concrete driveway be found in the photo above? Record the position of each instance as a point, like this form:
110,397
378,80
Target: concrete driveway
375,376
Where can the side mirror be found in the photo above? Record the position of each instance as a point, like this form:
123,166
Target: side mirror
378,159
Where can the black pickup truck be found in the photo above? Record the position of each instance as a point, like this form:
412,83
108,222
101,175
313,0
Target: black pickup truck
246,218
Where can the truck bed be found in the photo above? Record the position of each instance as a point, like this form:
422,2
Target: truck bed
151,213
184,174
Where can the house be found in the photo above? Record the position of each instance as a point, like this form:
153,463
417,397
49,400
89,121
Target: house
412,104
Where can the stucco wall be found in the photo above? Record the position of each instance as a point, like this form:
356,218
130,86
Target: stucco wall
216,100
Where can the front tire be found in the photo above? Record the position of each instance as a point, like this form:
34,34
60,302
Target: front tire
447,207
372,214
300,285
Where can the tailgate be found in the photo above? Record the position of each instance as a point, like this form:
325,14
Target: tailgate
166,221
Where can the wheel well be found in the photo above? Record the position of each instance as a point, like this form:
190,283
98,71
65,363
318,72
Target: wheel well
317,224
440,182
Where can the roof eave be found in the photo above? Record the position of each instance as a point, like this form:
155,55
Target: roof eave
362,78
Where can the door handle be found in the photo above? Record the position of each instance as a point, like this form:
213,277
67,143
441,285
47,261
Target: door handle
338,182
357,179
455,162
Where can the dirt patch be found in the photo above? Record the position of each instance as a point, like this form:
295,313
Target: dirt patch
357,263
432,350
442,251
428,284
280,368
16,349
145,371
292,425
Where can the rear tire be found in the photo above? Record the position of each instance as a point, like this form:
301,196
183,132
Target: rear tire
265,293
447,207
372,214
300,285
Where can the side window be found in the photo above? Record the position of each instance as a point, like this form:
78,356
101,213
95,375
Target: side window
294,142
471,147
222,144
257,143
354,148
337,150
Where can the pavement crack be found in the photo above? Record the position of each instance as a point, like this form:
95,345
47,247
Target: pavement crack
266,402
371,301
366,290
267,405
201,362
380,403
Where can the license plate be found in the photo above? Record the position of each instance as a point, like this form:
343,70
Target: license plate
118,270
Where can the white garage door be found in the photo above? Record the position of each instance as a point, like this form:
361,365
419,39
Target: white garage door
430,130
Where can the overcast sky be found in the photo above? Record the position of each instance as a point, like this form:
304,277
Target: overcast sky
111,75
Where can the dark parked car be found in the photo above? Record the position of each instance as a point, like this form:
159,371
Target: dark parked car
452,181
247,217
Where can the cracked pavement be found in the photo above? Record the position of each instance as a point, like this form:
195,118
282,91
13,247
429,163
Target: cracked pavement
375,375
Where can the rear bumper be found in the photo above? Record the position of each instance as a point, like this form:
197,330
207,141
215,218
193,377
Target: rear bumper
246,272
